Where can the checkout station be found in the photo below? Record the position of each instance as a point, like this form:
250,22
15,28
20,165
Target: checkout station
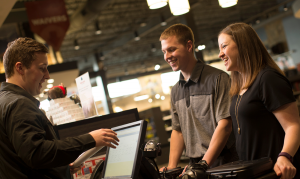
134,158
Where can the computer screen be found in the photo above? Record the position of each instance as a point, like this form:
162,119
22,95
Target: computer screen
124,161
87,125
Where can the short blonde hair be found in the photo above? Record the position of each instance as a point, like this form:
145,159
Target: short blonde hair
181,31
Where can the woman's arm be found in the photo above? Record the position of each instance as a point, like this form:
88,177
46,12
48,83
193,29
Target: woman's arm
288,117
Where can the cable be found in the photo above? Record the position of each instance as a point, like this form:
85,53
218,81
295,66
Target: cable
156,167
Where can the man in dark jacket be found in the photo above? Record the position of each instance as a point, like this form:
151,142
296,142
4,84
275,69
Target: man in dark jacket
29,147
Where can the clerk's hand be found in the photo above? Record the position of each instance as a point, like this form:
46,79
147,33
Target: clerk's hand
284,168
74,169
105,137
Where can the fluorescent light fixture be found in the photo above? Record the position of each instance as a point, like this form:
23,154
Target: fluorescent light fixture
157,67
155,4
227,3
157,96
150,100
201,47
50,81
162,97
118,109
49,86
123,88
140,98
179,7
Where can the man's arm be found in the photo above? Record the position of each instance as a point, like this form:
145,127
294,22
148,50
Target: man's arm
218,141
176,149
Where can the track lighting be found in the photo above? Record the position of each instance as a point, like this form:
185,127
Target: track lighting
153,49
98,30
76,46
136,38
227,3
155,4
163,21
179,7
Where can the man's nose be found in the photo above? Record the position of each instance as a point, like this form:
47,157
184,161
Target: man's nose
167,56
47,75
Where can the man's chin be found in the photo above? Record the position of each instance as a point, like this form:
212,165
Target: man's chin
175,68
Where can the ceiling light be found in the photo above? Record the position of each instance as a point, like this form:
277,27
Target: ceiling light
155,4
157,67
150,100
76,46
126,71
227,3
201,47
46,90
140,98
50,81
118,109
41,95
285,8
136,38
49,85
162,97
101,56
157,96
98,30
163,21
179,7
196,50
143,24
153,49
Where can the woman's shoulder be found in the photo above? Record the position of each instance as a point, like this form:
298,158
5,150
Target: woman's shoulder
269,73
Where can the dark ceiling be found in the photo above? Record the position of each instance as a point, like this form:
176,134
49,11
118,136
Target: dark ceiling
115,48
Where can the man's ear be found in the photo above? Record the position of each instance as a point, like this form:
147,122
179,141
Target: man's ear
189,46
20,68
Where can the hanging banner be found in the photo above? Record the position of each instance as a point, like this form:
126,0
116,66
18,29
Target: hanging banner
49,19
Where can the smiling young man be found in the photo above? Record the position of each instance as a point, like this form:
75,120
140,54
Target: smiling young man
200,102
29,147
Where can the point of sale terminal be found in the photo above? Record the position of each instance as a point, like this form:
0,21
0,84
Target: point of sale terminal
135,159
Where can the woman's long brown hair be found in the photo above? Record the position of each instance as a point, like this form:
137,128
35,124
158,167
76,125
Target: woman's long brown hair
253,56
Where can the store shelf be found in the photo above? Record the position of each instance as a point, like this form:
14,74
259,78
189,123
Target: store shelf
169,128
169,117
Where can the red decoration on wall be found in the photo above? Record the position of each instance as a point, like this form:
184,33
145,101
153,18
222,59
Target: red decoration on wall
49,20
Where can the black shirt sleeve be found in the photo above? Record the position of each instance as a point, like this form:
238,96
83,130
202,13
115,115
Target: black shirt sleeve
275,90
35,141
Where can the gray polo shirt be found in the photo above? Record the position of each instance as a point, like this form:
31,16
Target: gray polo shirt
197,105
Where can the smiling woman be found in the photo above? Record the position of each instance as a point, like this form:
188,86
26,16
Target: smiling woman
261,94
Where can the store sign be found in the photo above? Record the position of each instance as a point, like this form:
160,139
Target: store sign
49,19
86,95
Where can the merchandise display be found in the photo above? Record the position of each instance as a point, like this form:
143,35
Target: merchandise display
64,110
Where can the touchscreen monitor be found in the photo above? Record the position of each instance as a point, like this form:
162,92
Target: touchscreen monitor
124,161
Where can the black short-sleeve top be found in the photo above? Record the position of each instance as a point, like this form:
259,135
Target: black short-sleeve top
261,133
